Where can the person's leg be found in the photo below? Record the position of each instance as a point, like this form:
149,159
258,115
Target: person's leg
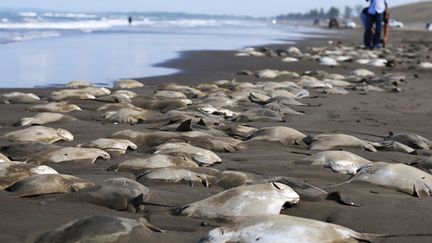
385,33
367,39
378,29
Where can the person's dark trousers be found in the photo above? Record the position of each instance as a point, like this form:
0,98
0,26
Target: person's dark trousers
373,40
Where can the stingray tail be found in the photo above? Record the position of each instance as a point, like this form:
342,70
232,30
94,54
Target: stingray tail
337,197
366,237
342,183
179,210
362,133
159,205
311,105
112,168
153,228
302,153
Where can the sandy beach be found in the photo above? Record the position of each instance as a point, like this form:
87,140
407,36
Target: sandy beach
365,115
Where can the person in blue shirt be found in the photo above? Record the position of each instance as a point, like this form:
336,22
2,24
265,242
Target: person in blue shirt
375,16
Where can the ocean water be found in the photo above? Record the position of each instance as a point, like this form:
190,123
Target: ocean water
53,48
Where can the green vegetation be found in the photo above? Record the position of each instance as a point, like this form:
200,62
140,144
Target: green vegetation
332,12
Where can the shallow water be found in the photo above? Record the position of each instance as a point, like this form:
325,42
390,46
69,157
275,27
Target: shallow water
104,55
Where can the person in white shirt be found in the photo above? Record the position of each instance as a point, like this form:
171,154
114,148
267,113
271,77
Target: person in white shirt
375,16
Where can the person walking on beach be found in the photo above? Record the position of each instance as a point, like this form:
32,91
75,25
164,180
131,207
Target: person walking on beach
364,15
375,17
130,20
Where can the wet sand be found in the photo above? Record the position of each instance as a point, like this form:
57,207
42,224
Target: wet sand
382,210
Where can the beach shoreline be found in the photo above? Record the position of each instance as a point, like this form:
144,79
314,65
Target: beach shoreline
126,53
381,211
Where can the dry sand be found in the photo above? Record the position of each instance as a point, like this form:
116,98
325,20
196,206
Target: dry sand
413,15
382,211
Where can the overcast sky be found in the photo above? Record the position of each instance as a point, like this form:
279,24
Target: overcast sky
235,7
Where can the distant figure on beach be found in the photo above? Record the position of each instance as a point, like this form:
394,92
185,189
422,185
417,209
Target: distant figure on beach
130,20
375,16
334,23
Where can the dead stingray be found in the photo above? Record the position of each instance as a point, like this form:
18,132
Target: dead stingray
47,184
100,229
401,177
242,201
120,194
284,135
22,151
176,175
411,140
259,115
336,141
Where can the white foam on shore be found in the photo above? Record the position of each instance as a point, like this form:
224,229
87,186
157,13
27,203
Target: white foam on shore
28,14
69,15
19,36
75,25
105,23
24,26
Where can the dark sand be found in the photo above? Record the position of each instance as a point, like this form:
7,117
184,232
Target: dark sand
382,211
